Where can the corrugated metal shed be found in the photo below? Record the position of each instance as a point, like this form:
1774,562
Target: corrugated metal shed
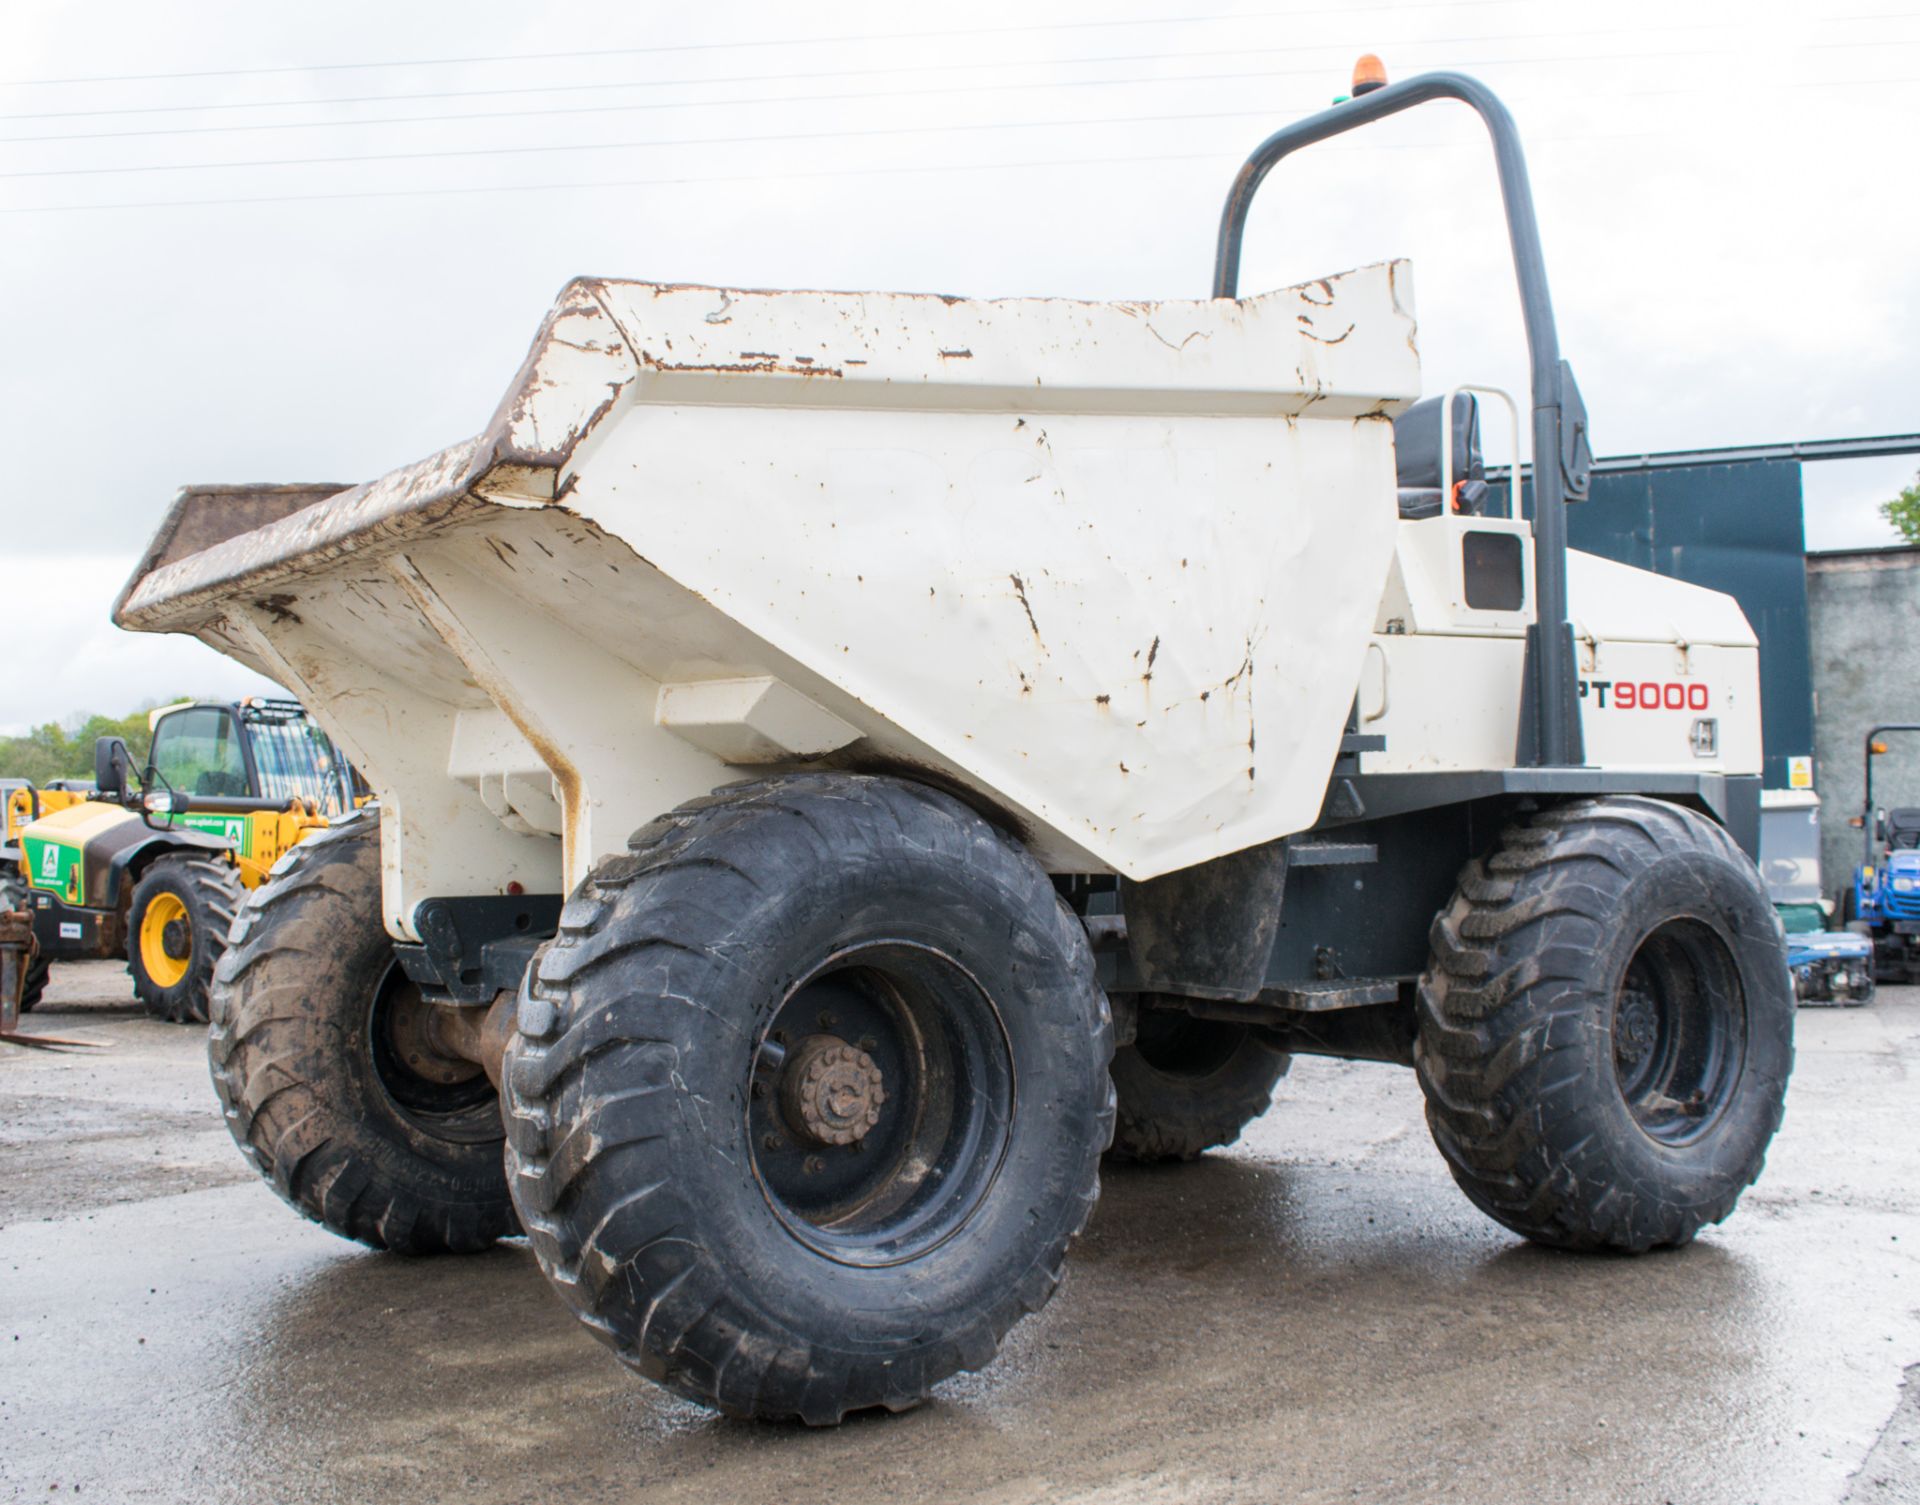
1730,519
1733,528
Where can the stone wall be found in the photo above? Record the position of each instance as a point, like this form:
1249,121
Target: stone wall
1863,609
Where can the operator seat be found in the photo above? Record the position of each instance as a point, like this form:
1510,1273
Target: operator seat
1416,457
1903,828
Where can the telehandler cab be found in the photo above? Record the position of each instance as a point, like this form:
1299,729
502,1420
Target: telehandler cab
847,760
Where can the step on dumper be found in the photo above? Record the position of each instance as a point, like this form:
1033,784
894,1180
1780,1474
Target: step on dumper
829,745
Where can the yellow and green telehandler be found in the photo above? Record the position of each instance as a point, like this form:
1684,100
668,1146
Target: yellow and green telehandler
151,864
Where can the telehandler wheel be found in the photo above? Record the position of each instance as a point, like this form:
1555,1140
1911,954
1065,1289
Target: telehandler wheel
13,897
177,930
1187,1085
809,1094
311,1013
1606,1027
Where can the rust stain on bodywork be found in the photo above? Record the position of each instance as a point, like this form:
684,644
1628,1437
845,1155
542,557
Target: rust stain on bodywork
760,366
1020,590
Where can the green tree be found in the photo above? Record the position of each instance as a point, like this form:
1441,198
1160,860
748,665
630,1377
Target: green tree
1904,512
56,751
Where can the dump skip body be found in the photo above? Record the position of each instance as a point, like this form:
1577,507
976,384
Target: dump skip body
1110,569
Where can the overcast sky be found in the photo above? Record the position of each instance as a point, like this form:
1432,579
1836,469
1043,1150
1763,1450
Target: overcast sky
1725,190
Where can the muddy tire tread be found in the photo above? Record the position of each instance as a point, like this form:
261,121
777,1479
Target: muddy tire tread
1500,1002
1153,1127
263,1023
692,1333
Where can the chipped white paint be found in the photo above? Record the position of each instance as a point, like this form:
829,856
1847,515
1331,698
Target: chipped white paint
750,721
1116,567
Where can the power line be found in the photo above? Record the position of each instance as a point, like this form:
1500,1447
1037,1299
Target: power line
660,141
690,179
750,139
643,83
738,101
695,179
946,34
806,75
679,47
1223,159
672,104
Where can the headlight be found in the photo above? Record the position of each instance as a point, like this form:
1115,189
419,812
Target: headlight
1904,885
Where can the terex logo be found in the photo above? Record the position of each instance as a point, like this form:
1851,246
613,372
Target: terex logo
1646,694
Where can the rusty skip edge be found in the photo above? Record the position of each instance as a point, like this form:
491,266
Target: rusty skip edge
203,550
219,540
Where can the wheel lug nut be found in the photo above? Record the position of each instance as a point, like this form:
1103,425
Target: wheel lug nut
828,1019
814,1165
772,1141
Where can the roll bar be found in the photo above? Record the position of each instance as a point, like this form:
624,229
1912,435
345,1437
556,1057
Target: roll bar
1866,809
1550,713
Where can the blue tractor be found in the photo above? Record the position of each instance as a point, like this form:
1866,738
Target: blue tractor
1884,901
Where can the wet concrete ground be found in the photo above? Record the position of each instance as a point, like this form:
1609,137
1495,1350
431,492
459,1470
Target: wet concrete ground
1317,1315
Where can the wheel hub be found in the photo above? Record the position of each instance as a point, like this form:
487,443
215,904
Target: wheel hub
176,940
412,1033
1635,1029
831,1092
879,1103
1679,1030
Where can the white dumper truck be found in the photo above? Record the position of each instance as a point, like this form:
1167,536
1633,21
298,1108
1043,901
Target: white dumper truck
847,761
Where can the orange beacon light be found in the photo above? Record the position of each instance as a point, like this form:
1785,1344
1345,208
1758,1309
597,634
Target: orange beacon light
1369,73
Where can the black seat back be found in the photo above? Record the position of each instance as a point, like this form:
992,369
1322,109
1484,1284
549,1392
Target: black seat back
1903,828
1416,447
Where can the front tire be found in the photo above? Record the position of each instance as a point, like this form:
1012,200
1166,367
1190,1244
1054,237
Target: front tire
1187,1085
1606,1027
310,1015
177,924
808,1096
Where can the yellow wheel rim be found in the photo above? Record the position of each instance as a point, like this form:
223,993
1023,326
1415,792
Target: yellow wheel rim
157,947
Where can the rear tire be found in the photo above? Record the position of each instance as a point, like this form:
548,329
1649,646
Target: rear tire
1606,1027
182,908
308,1069
13,896
808,1096
1187,1085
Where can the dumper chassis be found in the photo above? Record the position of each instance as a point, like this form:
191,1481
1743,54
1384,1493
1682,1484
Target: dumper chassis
1036,723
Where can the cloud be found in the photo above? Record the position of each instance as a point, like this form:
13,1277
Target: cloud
81,663
1731,261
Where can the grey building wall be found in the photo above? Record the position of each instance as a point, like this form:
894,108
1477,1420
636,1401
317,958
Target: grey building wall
1863,617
